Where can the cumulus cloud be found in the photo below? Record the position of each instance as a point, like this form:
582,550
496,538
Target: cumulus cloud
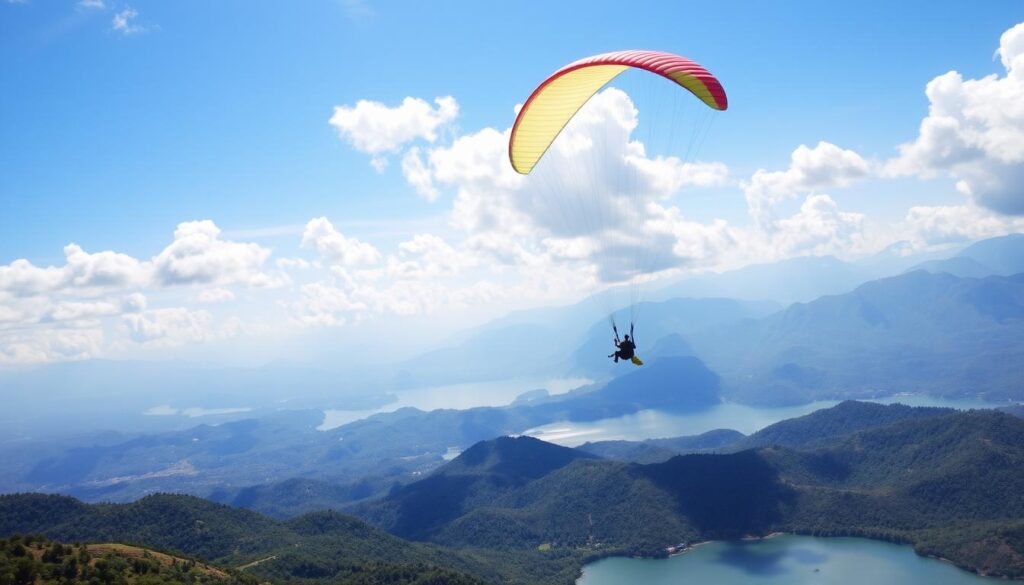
169,326
427,256
672,174
71,310
81,270
819,229
22,278
936,226
586,203
199,256
336,248
418,175
810,170
377,129
974,132
30,346
102,269
44,309
423,274
323,303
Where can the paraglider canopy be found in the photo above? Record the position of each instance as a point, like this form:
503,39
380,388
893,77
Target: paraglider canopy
560,96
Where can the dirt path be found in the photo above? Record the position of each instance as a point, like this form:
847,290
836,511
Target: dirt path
254,563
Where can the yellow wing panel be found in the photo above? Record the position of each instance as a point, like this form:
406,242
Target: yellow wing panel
550,109
696,87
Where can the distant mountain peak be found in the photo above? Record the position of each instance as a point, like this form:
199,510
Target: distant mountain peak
521,457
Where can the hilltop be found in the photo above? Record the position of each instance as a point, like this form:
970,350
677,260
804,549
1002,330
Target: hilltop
947,482
31,558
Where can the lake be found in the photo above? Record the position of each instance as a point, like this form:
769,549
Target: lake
654,424
789,560
457,396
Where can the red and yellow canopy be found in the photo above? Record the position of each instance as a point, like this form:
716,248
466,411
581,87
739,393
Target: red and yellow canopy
560,96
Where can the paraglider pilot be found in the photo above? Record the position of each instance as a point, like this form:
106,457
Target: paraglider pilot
626,347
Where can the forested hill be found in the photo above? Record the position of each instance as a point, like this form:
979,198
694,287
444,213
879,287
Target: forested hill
319,546
475,478
949,483
658,450
828,424
523,511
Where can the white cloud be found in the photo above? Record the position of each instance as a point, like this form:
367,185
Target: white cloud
374,128
81,270
92,4
72,310
334,247
124,22
424,274
322,303
810,170
974,132
216,295
707,245
672,174
29,346
44,309
170,326
935,226
379,163
427,256
588,203
102,269
819,229
22,278
418,175
199,256
133,303
196,256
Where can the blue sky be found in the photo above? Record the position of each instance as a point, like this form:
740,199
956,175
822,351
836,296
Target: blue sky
112,136
219,111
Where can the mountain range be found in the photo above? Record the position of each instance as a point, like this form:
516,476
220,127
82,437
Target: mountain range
361,459
919,332
518,510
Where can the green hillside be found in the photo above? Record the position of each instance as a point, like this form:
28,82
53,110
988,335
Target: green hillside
476,477
949,483
320,547
518,510
27,560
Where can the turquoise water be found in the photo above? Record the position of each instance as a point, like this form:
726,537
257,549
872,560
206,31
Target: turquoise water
785,560
653,424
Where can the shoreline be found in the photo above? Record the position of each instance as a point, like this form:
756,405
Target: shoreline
772,535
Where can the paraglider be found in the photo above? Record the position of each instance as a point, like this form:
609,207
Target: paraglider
625,348
560,96
554,103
